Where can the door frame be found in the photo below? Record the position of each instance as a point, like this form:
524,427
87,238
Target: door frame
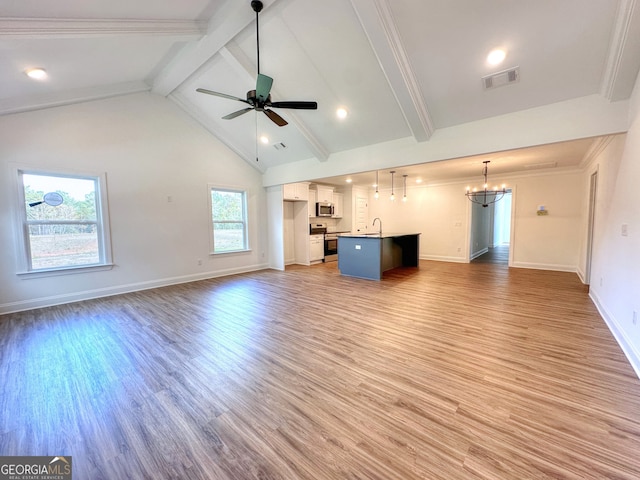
591,218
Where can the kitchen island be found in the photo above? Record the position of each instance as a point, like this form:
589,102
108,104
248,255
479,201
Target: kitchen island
368,256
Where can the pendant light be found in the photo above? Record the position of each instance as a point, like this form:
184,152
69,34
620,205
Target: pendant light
404,188
393,196
376,195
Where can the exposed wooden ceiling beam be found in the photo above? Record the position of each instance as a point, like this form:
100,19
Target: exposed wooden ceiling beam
623,60
229,20
380,28
40,28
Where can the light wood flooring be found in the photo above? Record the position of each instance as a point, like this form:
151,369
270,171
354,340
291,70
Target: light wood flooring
449,371
498,255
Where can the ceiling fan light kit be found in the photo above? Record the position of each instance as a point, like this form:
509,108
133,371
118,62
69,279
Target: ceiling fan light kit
260,98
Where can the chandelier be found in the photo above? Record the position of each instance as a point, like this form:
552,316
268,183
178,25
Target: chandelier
486,197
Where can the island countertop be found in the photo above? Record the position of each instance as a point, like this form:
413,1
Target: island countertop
377,235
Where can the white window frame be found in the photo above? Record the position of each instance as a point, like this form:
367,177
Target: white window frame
245,220
102,224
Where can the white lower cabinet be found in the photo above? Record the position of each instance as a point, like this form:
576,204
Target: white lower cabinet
316,248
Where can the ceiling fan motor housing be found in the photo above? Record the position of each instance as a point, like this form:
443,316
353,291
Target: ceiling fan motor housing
253,100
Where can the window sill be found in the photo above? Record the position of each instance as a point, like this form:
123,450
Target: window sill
231,252
65,271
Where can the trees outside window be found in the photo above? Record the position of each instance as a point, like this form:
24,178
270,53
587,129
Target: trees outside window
228,220
62,221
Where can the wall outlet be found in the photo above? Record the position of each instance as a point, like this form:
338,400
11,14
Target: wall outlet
199,261
635,317
601,281
624,230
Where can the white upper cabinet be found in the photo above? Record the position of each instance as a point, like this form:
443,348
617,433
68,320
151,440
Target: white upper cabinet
296,191
338,204
325,194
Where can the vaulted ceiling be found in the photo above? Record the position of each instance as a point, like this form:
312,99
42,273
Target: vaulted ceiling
401,68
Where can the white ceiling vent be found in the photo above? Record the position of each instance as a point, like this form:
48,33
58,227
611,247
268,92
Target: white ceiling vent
499,79
279,146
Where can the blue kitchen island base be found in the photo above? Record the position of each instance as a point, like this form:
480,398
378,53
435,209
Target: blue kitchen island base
368,256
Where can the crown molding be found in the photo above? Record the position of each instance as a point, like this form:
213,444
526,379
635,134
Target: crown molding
69,97
596,148
43,28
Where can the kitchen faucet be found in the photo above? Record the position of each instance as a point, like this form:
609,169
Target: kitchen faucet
380,222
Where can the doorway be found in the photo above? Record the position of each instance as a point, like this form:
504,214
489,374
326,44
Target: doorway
491,232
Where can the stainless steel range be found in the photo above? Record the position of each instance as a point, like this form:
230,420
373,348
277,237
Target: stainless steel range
331,245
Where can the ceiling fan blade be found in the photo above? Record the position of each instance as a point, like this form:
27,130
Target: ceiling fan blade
237,114
297,105
263,87
275,118
223,95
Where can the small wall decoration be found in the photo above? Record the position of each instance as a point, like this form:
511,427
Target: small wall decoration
542,210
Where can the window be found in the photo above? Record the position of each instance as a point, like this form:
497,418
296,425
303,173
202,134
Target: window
62,220
228,220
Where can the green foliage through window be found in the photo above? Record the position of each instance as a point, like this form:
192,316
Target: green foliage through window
65,235
228,215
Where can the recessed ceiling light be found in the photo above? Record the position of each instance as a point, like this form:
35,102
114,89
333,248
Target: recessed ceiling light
36,73
349,180
264,139
418,180
342,113
496,56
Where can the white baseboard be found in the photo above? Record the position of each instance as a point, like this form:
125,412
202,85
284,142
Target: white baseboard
49,301
479,252
629,350
581,275
439,258
545,266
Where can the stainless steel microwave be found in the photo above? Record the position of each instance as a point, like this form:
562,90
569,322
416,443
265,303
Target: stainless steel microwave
324,209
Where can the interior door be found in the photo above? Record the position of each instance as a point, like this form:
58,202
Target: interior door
362,214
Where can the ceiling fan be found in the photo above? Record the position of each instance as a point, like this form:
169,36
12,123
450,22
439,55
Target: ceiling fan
260,98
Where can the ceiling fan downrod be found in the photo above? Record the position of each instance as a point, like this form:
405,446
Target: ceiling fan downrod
257,7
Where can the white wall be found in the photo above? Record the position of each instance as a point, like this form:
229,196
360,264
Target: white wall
149,150
615,274
551,241
439,213
582,117
275,227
